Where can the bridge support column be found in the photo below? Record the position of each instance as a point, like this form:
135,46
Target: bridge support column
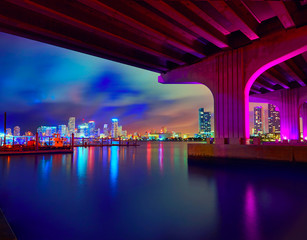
229,100
289,115
304,116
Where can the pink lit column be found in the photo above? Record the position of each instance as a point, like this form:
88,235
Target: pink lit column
289,115
304,116
228,92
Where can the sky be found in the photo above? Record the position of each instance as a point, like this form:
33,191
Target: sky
43,84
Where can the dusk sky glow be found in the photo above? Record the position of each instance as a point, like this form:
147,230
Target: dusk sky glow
44,85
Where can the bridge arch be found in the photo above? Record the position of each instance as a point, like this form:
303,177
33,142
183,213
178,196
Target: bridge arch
290,54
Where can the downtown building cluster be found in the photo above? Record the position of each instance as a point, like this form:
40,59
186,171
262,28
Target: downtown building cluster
83,130
16,131
266,122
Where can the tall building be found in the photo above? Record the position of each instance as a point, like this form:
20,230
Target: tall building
204,121
83,130
119,131
71,125
46,131
8,131
114,127
258,120
105,130
62,130
16,131
91,128
97,133
274,119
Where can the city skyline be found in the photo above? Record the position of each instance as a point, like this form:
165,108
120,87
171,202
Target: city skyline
108,125
45,85
205,122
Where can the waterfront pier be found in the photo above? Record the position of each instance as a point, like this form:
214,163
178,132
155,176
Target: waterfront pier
291,153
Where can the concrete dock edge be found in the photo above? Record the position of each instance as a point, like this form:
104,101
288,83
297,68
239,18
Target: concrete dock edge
280,153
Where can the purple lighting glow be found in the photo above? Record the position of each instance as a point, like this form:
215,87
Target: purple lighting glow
251,218
253,78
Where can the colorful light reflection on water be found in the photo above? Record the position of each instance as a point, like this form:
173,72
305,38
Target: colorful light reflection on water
148,192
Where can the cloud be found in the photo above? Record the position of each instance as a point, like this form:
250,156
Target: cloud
44,84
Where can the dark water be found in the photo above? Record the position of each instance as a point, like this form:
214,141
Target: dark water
149,192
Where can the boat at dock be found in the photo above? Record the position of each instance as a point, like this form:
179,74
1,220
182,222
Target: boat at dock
35,147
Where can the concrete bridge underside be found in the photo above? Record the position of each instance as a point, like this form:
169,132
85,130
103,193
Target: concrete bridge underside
230,76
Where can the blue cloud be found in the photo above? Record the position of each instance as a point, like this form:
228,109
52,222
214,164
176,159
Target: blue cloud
44,84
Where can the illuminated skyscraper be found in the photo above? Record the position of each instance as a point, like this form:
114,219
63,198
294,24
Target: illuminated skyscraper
71,125
258,120
91,128
16,131
97,133
105,130
46,131
114,127
8,131
62,130
204,120
83,130
274,119
53,130
119,131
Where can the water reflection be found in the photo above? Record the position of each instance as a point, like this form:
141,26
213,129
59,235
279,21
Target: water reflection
251,219
105,154
114,166
97,191
148,157
81,157
90,161
46,166
161,157
172,156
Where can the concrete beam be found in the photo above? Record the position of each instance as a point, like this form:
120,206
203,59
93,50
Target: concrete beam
105,9
272,75
295,70
33,6
264,84
291,70
61,40
163,7
157,22
272,50
190,5
275,97
282,13
255,90
235,18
